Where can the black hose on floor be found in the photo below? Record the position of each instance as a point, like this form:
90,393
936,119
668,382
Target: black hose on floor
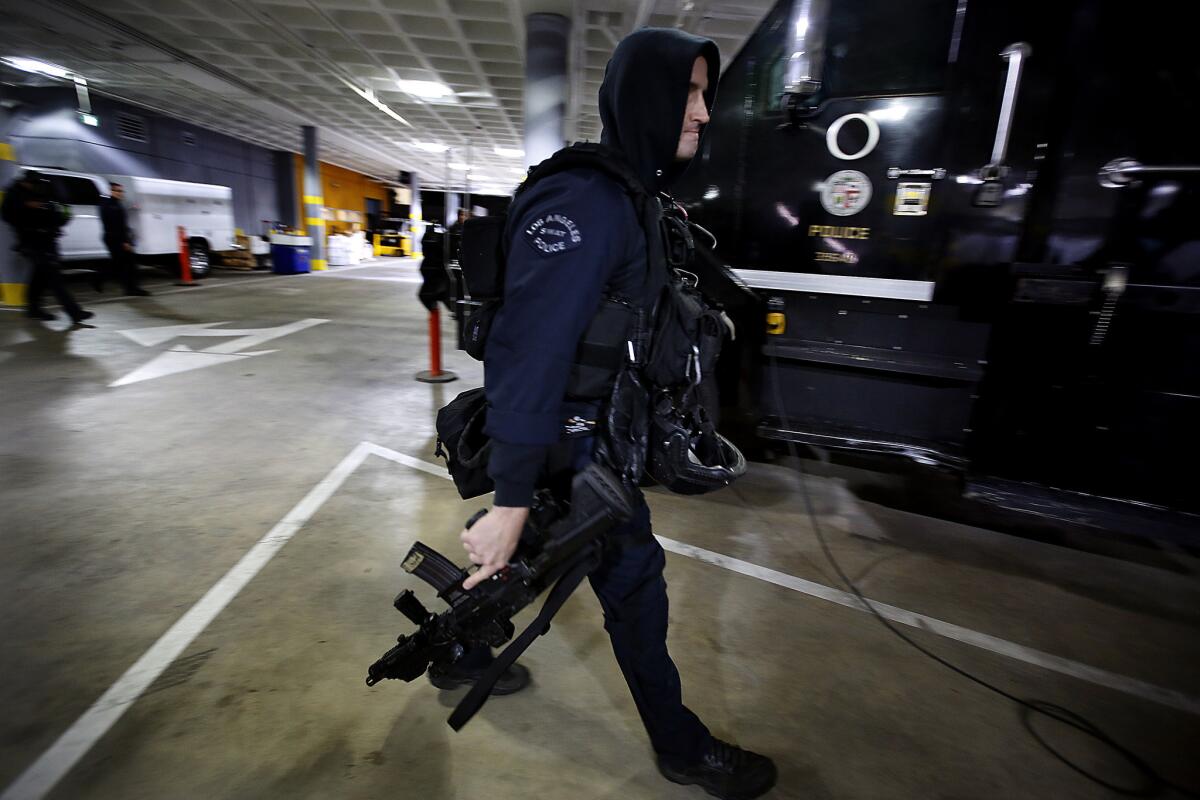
1153,785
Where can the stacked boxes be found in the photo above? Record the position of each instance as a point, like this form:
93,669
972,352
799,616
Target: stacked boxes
242,258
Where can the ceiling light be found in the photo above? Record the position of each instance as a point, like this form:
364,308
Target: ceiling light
509,152
460,166
431,147
425,88
88,119
33,65
369,95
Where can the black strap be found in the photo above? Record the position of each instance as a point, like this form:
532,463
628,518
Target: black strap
482,689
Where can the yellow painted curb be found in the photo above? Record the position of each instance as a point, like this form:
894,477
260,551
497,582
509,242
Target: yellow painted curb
12,294
318,264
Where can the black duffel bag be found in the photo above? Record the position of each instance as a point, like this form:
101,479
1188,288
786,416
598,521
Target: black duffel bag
464,445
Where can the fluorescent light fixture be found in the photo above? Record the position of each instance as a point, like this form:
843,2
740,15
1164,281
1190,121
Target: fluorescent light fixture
369,96
427,89
431,147
509,152
89,119
39,67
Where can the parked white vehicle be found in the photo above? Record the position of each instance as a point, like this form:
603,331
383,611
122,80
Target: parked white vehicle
155,207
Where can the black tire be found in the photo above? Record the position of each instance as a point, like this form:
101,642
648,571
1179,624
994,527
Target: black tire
198,258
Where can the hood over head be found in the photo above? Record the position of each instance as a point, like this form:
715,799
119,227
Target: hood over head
644,96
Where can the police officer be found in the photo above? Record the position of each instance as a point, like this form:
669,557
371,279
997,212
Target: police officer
119,241
37,222
573,237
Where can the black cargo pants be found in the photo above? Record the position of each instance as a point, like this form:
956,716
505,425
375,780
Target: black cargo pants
44,274
633,594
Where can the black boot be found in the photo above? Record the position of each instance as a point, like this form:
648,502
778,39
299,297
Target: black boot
37,313
726,771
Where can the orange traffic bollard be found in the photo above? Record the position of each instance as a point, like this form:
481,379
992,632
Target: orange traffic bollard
185,260
435,373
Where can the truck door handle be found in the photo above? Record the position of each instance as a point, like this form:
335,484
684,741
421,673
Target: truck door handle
1125,171
1015,54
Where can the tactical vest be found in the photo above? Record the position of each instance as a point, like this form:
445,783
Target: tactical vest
622,328
644,357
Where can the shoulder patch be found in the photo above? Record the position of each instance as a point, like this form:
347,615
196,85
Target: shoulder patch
551,234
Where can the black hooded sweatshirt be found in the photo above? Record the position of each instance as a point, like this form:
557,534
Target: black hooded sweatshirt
575,236
644,95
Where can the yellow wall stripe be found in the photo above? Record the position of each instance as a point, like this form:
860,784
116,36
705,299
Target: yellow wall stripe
315,221
318,264
314,199
6,152
12,294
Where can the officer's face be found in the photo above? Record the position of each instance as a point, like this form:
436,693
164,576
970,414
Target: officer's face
696,114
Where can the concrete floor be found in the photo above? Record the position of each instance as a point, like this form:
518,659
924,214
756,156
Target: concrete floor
120,506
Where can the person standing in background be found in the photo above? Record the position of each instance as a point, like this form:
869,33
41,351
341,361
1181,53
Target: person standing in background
119,241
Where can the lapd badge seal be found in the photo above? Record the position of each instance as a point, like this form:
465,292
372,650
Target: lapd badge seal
552,234
845,192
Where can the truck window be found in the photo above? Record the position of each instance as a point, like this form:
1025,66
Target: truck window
75,191
872,47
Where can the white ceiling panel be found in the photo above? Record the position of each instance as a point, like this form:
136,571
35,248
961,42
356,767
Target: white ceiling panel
259,69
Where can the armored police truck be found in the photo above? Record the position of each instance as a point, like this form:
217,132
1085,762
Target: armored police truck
975,227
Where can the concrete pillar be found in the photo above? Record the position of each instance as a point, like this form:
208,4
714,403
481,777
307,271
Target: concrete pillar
547,37
14,270
415,212
314,202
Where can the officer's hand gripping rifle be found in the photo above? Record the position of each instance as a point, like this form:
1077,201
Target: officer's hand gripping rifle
561,543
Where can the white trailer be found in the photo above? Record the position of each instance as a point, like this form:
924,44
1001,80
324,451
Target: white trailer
156,209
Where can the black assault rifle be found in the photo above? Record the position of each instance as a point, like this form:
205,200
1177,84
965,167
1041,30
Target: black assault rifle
561,543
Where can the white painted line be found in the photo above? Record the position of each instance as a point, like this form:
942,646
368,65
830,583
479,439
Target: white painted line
56,762
437,470
1100,677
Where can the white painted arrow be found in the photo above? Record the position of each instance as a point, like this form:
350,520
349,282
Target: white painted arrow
182,358
174,361
251,339
148,337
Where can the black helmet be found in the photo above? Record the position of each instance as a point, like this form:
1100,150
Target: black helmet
687,455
